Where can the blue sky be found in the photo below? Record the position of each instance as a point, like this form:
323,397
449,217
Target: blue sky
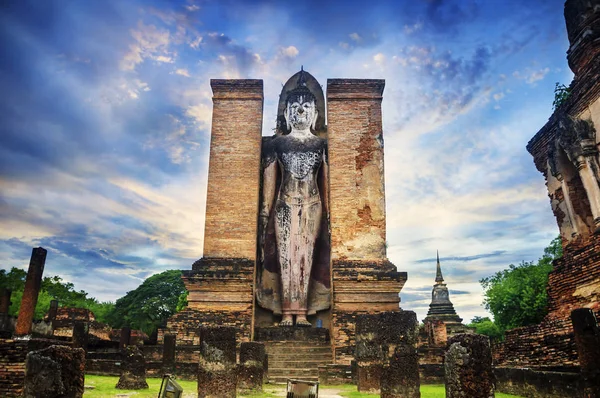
106,109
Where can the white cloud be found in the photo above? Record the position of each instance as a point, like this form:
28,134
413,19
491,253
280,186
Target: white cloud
195,43
290,51
201,113
379,58
182,72
537,75
409,29
355,36
164,58
150,41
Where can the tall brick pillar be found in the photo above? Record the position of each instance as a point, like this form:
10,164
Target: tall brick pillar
233,170
220,284
362,277
33,283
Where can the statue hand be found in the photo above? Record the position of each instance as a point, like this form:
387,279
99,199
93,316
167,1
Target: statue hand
262,232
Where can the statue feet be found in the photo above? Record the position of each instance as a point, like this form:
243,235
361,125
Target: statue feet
286,321
301,321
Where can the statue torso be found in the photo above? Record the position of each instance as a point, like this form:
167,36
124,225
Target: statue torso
299,162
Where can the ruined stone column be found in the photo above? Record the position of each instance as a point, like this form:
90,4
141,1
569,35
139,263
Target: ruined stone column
568,202
5,300
217,369
250,371
4,308
53,310
169,349
33,283
386,353
125,338
133,370
586,166
80,335
587,340
468,367
400,378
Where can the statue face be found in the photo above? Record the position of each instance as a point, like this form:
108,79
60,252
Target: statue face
301,114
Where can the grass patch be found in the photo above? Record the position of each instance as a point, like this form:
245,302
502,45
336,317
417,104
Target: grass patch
105,388
427,391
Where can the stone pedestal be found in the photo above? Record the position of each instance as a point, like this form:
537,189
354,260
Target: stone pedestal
386,353
217,373
250,370
220,293
468,367
55,372
133,370
33,282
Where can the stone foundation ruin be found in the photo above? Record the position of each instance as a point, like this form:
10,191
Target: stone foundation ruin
544,357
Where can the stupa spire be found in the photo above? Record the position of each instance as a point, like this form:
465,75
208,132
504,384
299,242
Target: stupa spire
438,273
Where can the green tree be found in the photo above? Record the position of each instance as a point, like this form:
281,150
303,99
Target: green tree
517,296
486,327
52,288
150,304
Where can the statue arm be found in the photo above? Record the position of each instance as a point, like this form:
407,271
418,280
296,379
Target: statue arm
269,182
325,185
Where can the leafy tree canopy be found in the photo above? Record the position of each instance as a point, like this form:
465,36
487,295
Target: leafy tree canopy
150,304
517,296
485,326
53,288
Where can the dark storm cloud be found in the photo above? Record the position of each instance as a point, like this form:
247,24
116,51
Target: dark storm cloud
463,258
222,44
445,16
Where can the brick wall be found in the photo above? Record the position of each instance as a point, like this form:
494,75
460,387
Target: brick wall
220,293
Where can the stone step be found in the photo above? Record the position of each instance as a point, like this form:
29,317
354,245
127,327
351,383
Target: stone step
293,355
315,350
279,363
283,379
293,372
298,345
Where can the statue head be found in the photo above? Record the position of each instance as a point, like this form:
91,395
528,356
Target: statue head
301,111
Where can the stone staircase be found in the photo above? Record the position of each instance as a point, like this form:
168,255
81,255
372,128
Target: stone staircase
295,353
296,359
